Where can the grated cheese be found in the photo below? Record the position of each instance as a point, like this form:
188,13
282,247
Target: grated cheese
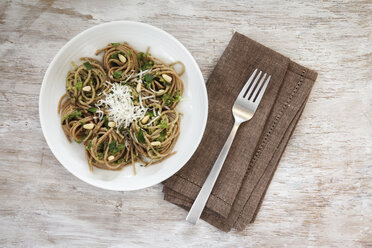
119,106
137,76
147,97
148,124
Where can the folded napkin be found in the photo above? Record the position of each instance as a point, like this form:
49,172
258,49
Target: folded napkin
259,143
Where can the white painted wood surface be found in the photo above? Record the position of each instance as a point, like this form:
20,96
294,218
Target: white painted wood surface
321,194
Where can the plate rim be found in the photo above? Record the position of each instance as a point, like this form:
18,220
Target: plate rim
51,65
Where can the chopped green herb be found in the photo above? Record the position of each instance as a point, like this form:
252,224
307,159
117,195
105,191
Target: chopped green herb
79,85
129,53
162,135
100,155
106,121
150,113
163,124
115,149
157,121
74,114
166,98
145,66
92,109
89,145
115,44
112,146
120,147
169,100
64,119
148,78
115,55
147,85
144,62
117,74
177,97
140,136
82,122
161,79
140,55
88,65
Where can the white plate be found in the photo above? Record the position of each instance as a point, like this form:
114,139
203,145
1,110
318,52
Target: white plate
194,104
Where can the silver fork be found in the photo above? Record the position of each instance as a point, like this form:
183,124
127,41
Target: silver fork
243,110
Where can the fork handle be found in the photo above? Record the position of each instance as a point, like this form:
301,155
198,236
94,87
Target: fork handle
202,198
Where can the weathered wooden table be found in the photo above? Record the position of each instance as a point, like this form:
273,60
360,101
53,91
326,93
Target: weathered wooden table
321,194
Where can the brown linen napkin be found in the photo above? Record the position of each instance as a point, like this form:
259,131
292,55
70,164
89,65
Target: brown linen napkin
259,144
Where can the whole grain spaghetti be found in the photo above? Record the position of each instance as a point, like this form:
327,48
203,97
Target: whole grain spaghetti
123,108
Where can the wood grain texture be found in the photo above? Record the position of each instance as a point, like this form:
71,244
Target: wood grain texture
321,194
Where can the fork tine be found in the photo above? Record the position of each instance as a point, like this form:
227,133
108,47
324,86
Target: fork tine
253,85
241,94
258,98
253,95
